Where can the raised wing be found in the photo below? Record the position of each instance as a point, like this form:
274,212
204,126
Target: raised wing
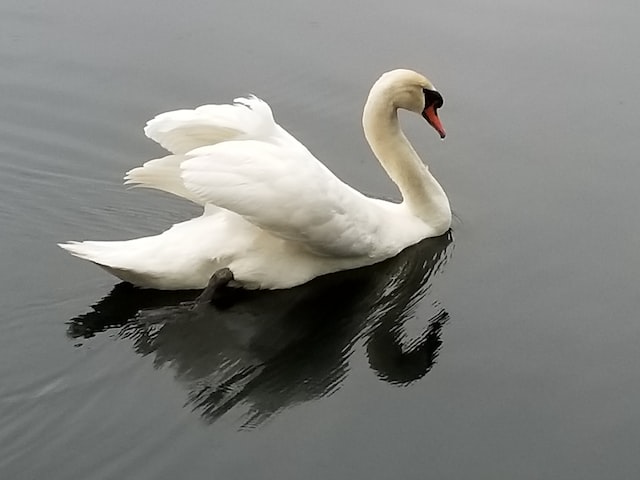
181,131
236,157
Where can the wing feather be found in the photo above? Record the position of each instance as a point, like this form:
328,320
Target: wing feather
161,174
181,131
286,192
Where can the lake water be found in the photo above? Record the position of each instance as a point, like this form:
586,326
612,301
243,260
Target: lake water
508,349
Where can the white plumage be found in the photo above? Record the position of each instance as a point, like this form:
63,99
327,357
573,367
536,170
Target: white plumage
273,213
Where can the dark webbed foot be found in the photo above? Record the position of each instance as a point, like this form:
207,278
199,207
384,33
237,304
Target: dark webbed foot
219,290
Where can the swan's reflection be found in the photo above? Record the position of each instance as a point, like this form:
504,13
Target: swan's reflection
270,350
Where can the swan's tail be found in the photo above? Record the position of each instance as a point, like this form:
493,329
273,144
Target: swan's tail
182,257
122,260
101,253
108,256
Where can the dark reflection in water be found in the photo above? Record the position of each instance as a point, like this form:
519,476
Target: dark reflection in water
270,350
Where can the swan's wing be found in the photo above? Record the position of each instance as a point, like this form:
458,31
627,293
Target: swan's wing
285,191
161,174
181,131
238,158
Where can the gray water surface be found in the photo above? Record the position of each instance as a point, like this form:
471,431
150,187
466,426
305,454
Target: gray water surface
507,349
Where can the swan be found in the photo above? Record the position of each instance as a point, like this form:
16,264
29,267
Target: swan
274,216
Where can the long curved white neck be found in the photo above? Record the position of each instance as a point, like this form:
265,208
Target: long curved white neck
421,192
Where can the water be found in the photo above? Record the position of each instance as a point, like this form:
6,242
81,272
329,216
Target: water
507,350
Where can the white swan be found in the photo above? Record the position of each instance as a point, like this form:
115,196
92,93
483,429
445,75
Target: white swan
273,214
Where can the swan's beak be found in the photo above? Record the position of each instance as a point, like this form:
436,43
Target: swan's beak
431,115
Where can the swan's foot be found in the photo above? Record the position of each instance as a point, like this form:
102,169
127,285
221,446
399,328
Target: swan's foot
215,293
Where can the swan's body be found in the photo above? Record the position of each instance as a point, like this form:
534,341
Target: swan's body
273,214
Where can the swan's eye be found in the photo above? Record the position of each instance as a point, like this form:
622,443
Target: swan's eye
432,98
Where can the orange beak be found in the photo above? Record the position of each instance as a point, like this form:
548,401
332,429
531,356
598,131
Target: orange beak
431,115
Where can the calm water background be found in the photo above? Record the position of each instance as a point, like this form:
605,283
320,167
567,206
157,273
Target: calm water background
507,351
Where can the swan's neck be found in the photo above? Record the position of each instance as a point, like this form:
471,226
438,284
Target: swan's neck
421,192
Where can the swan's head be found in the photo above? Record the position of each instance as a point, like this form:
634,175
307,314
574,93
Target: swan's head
412,91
